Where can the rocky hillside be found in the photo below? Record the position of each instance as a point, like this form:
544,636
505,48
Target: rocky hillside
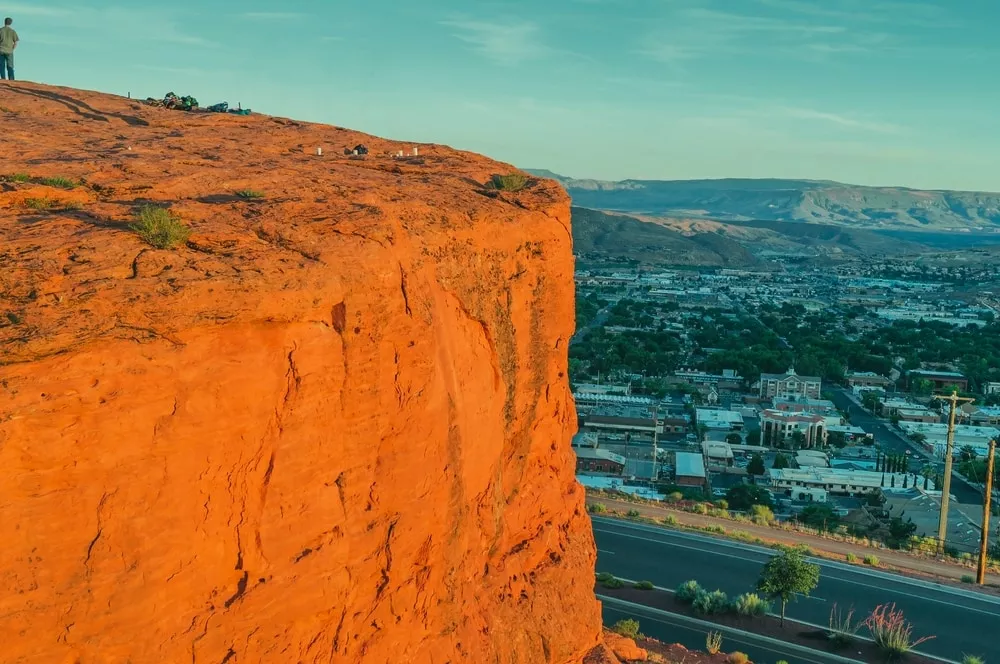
611,236
331,426
790,200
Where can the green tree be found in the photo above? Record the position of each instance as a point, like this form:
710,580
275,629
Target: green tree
780,461
753,438
734,439
968,453
900,531
742,496
786,575
820,517
798,439
755,467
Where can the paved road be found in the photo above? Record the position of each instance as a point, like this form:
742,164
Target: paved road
891,440
690,634
961,621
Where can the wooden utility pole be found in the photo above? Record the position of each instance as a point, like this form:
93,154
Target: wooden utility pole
984,545
953,399
656,429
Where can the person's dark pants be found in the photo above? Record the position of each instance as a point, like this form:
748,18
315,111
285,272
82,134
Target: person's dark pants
7,66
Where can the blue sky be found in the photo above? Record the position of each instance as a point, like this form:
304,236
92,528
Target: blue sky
864,91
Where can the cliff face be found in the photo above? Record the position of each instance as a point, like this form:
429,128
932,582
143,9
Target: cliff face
332,427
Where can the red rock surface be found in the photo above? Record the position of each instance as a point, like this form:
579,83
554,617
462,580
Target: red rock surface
333,427
624,648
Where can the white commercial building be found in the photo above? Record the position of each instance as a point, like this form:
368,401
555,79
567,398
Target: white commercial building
838,481
936,436
724,420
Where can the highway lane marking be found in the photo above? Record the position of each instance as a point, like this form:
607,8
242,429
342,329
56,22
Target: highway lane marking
823,562
610,553
856,583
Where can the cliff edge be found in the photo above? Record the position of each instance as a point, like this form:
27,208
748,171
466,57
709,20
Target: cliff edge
332,426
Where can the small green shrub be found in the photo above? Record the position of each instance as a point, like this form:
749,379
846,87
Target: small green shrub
644,585
632,514
871,560
609,580
249,193
701,508
597,508
19,177
675,497
159,228
710,604
713,643
38,203
511,182
72,205
670,520
761,515
722,504
751,605
851,558
688,591
781,661
627,627
967,578
738,658
842,627
60,182
972,659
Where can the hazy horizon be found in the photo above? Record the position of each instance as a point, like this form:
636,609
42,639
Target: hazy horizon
864,92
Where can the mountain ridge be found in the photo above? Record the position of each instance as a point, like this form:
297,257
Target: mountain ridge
789,200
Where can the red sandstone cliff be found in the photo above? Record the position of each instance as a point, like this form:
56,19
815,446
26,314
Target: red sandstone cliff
332,427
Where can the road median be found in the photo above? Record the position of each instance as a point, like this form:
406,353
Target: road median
884,559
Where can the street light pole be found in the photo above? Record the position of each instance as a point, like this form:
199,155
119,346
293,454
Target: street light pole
953,399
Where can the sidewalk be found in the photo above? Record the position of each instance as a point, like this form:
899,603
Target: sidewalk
889,559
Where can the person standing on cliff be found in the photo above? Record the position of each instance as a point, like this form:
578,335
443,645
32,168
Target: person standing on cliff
8,42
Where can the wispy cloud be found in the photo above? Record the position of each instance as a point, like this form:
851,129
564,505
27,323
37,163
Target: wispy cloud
128,23
782,26
272,16
504,43
847,121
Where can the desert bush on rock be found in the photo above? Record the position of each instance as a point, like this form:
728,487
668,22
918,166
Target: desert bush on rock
627,627
159,227
738,658
511,182
713,643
